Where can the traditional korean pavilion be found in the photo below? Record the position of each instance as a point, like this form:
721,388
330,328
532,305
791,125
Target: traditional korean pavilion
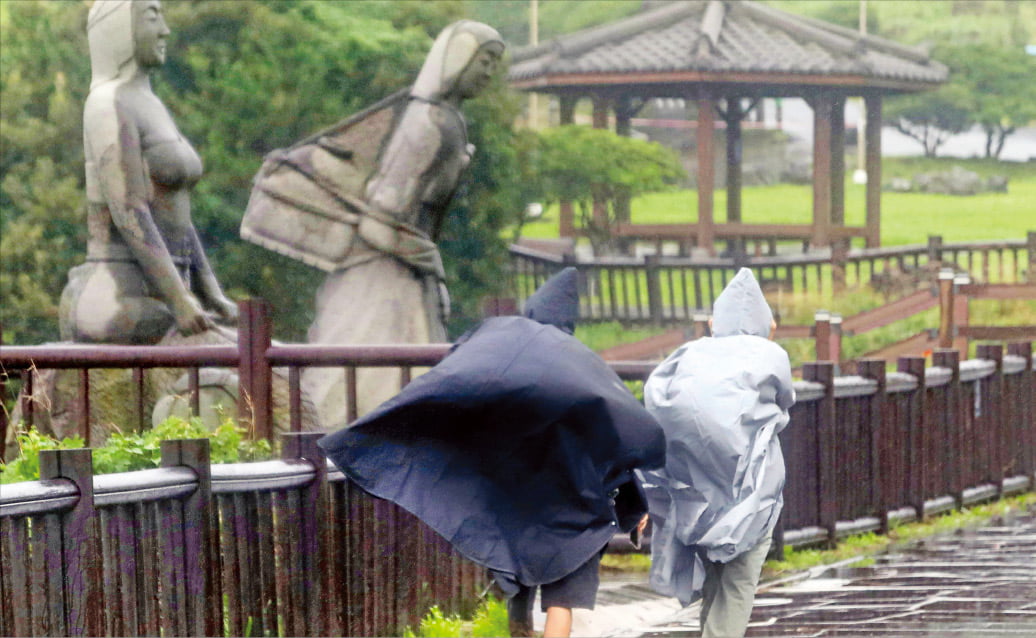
724,56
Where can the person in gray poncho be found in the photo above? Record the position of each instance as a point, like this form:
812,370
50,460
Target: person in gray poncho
721,401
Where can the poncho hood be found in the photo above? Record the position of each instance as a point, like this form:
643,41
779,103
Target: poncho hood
556,302
741,308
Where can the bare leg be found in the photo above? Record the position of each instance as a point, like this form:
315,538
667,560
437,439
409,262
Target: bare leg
558,623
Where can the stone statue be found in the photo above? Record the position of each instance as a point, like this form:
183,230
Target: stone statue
369,212
145,269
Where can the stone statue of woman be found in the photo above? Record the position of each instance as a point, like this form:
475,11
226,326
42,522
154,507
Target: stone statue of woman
396,293
145,269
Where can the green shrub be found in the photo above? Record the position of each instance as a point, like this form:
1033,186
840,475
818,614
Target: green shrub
490,620
127,452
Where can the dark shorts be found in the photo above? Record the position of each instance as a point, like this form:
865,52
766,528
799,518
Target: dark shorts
577,590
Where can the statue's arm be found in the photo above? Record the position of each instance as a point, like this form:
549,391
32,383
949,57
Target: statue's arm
209,290
411,151
113,140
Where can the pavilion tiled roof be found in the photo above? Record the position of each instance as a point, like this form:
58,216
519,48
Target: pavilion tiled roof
713,37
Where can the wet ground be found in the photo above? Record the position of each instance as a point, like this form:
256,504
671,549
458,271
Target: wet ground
976,582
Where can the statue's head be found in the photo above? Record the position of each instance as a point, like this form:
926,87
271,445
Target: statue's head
125,35
460,63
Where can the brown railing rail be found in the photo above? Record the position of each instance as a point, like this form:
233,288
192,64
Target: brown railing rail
664,289
288,547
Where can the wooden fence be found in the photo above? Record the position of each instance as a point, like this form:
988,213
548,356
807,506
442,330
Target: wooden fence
272,548
659,289
290,548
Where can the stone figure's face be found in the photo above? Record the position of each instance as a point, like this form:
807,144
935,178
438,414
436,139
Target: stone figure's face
477,75
149,33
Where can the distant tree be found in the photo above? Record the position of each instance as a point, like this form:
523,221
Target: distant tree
931,117
998,85
42,210
584,165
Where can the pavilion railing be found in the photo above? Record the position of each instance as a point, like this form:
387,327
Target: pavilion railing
663,289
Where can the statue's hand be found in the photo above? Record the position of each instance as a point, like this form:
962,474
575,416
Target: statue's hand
191,319
226,310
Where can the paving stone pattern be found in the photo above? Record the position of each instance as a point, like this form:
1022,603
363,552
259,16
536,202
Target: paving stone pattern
975,582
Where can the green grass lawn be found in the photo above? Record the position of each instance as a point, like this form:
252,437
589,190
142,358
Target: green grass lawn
906,218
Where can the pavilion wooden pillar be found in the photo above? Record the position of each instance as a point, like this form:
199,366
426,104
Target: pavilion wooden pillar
873,166
625,109
838,161
822,109
705,140
733,116
839,243
601,107
566,218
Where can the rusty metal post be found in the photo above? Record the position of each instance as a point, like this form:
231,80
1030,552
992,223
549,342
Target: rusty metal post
823,372
946,308
996,441
879,438
198,549
917,465
310,526
76,566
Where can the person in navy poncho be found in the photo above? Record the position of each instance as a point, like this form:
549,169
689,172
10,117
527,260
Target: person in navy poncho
515,448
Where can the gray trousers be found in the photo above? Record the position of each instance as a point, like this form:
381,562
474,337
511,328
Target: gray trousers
729,592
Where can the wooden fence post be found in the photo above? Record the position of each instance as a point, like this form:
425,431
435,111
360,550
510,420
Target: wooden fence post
822,335
955,438
823,372
204,615
1026,404
961,314
839,258
934,251
310,581
917,464
1030,243
654,288
254,372
701,326
879,438
947,328
995,411
72,553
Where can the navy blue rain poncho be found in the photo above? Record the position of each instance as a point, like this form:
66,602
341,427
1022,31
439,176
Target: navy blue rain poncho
721,400
513,447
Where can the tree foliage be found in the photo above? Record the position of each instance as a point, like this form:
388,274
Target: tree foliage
584,165
241,79
998,87
931,118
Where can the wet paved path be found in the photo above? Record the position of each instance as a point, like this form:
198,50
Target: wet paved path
974,582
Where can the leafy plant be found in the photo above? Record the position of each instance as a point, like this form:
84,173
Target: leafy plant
490,619
127,452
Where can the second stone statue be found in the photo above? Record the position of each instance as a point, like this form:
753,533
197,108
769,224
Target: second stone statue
365,201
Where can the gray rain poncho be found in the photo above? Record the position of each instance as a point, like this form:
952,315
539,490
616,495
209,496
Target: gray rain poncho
721,401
